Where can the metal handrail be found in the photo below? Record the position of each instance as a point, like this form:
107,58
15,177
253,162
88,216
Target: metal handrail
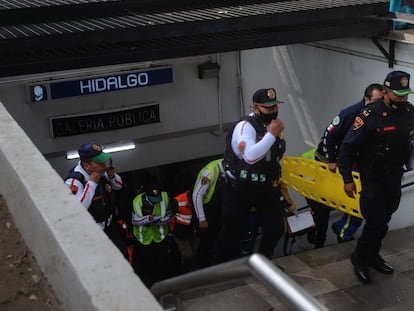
280,284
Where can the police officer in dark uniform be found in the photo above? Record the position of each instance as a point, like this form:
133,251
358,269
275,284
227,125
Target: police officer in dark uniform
328,151
253,150
379,142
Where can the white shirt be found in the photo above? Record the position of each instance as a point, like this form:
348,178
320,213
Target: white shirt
245,134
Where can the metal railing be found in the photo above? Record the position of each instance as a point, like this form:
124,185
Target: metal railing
280,284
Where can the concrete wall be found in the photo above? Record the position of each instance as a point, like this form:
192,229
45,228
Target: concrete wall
192,112
81,264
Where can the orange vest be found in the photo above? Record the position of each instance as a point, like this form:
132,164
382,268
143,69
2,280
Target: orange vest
184,213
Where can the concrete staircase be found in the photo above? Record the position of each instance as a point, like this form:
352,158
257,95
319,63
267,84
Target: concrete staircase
325,273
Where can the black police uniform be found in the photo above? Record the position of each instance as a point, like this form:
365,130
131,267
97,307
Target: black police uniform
250,185
327,151
380,143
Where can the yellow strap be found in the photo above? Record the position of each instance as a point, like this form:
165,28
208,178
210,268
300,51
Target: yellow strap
313,180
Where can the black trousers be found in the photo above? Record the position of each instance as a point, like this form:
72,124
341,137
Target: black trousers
321,214
380,197
236,201
156,261
207,238
117,235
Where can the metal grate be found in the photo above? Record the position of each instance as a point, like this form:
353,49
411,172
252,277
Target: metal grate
26,4
142,19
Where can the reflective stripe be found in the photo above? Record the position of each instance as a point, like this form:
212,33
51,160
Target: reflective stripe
184,219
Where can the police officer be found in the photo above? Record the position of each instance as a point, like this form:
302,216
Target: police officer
328,151
253,150
379,142
93,182
207,206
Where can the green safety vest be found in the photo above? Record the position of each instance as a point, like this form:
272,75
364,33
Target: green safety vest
214,169
146,234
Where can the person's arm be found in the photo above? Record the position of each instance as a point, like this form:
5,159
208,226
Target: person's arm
114,179
244,138
85,193
201,187
356,137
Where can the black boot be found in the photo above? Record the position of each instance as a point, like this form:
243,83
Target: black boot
379,264
360,268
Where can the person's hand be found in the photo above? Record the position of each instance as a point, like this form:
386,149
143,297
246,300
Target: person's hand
203,225
275,127
350,189
332,167
95,176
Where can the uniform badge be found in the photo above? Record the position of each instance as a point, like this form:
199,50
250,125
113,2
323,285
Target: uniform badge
108,188
365,113
358,123
384,114
404,81
336,120
96,147
271,94
330,127
204,180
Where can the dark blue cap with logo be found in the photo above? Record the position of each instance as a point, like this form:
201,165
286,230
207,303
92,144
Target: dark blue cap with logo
398,82
93,152
266,97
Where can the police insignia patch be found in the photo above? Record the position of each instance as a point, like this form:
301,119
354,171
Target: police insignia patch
205,180
336,120
96,147
365,113
271,94
241,147
358,123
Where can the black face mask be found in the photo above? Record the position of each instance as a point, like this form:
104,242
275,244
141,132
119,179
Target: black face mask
267,118
398,106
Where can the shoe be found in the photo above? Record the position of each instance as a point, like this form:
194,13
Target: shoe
360,269
379,264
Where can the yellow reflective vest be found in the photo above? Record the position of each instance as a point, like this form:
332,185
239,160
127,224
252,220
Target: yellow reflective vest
146,234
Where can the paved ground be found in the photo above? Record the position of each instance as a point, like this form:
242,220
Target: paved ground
22,285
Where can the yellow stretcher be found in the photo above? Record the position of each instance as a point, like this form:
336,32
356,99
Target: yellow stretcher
313,180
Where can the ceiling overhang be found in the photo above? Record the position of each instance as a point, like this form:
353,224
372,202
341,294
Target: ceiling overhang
78,34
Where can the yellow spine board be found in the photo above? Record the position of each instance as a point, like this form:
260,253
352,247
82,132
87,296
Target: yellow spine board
313,180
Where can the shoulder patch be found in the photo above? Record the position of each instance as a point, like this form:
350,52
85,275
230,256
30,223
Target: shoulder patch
74,189
204,180
336,120
358,123
241,146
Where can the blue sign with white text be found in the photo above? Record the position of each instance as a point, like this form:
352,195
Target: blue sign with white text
110,83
